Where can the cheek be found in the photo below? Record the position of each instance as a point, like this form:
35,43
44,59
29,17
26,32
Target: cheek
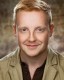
22,37
43,37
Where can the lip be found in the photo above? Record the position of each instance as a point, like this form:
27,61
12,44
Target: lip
32,46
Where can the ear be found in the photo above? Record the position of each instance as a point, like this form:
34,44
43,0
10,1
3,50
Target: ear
14,29
51,29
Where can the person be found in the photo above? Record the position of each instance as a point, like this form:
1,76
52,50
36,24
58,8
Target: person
32,60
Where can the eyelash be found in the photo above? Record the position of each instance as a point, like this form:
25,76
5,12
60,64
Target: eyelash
23,30
41,30
37,29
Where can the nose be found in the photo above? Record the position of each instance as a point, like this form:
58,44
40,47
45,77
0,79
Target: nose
32,37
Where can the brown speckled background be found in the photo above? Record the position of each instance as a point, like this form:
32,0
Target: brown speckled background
8,42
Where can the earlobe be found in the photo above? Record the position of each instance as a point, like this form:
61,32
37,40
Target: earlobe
51,29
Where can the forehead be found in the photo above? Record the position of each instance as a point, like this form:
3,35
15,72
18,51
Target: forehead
31,17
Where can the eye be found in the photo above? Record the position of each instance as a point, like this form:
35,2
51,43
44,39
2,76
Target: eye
40,29
23,29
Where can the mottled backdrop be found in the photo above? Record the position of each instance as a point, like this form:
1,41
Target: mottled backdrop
7,40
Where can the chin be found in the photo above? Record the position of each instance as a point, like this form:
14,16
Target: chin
33,53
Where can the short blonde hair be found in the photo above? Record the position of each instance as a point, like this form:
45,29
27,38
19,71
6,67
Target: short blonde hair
30,5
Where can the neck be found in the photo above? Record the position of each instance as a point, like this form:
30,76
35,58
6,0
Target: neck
35,61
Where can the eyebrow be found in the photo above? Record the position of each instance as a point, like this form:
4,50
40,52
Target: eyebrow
41,26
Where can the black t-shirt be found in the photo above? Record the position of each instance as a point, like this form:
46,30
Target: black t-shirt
37,75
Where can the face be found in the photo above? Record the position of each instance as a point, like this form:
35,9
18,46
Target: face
32,31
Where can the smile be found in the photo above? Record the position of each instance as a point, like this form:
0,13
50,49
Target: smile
32,46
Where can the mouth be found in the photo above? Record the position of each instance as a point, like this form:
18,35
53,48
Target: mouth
32,46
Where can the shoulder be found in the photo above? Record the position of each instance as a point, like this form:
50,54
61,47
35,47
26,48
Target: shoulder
6,59
5,63
8,56
56,54
56,57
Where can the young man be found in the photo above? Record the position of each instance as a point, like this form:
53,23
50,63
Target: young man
32,60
